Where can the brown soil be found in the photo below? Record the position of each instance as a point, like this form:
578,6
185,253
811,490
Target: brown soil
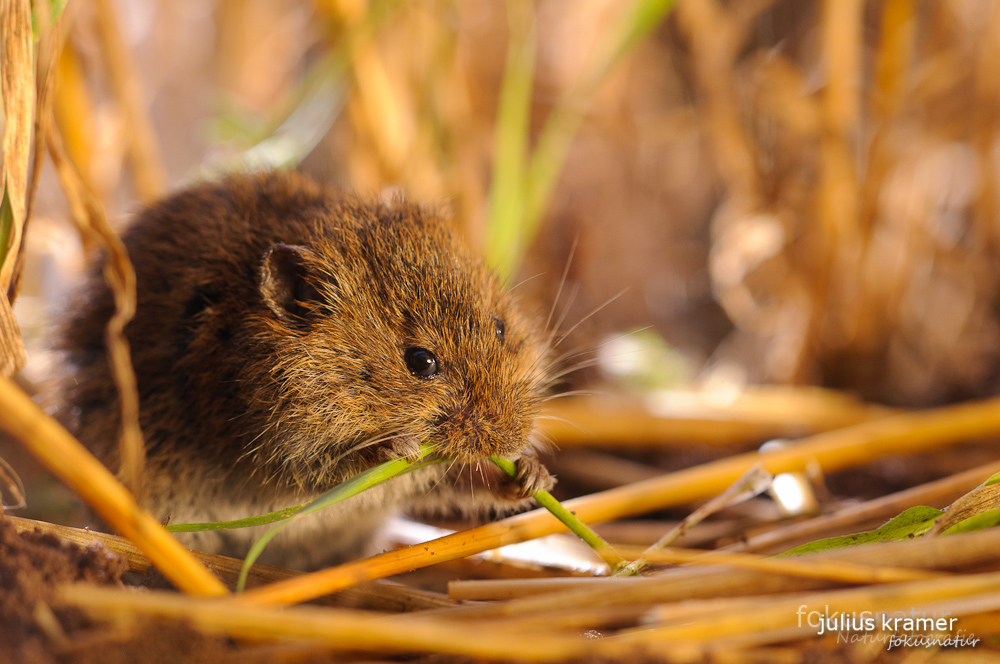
34,629
31,566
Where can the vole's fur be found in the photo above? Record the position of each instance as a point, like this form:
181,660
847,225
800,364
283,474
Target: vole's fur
270,344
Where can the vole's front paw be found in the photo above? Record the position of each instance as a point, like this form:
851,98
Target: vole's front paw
531,476
400,447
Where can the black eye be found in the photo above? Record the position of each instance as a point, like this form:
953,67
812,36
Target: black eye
421,362
499,327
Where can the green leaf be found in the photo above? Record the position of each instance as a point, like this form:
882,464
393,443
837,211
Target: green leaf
912,523
980,521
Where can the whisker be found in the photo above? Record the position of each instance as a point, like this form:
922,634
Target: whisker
562,317
580,364
557,418
366,443
572,393
552,378
588,316
562,281
573,352
437,482
521,283
483,474
545,442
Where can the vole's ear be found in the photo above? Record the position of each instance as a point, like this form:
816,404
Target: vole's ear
287,282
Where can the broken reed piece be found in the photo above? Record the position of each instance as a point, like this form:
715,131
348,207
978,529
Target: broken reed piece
336,629
809,568
531,598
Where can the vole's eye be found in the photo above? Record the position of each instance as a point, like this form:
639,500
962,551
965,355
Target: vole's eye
421,362
499,327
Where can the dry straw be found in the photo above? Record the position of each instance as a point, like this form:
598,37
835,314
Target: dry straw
533,598
906,433
17,78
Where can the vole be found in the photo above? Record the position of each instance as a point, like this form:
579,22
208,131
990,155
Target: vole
287,337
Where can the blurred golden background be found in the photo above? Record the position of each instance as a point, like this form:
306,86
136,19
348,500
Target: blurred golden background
785,191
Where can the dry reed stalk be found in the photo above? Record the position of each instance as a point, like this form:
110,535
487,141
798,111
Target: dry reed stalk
17,87
50,47
600,470
643,531
715,38
892,62
18,81
388,127
147,164
810,568
905,433
12,353
382,109
983,623
556,595
76,467
680,418
989,92
836,293
575,620
939,492
74,109
782,612
88,215
340,629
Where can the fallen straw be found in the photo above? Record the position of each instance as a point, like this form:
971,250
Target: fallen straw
901,599
337,629
831,570
903,433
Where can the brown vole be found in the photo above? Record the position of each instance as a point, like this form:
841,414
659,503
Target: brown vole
288,337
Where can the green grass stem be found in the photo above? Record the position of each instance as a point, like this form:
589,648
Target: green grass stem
570,520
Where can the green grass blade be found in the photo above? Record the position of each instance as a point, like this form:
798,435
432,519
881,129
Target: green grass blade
557,135
507,190
570,520
360,482
522,187
249,522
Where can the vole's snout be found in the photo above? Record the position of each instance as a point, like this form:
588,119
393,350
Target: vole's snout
473,431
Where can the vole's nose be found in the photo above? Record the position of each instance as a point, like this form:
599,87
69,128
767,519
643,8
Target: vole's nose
474,430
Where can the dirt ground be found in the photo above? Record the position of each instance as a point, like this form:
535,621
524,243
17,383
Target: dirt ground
34,629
